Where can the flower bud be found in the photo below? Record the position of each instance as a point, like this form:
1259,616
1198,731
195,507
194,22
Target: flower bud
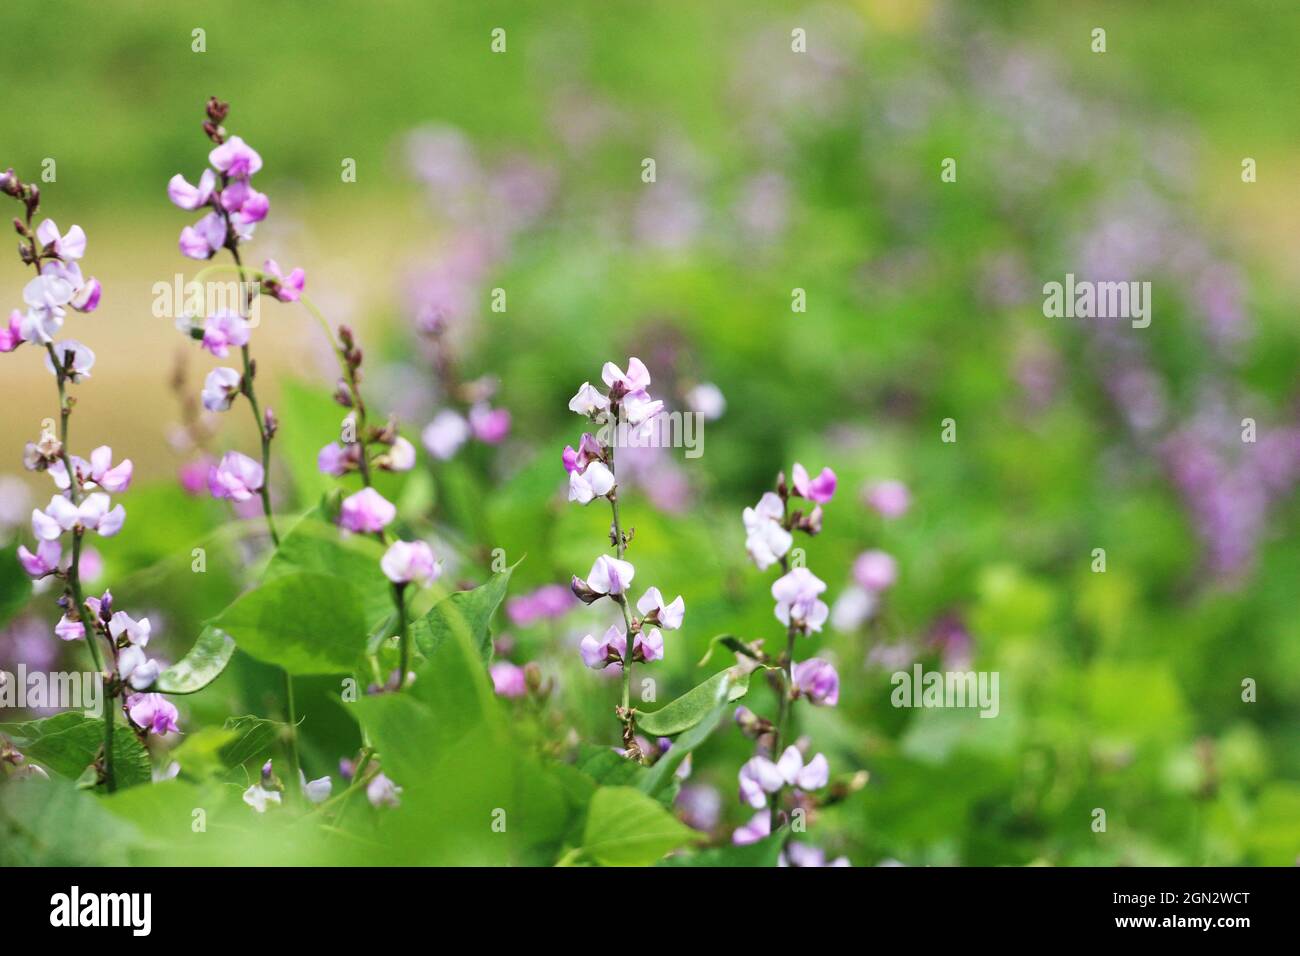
9,183
20,227
270,423
343,394
782,488
582,592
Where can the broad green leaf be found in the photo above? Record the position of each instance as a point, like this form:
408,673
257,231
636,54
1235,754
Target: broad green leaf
199,752
465,612
697,703
200,667
67,744
317,546
661,774
15,585
305,623
764,853
609,768
627,828
52,823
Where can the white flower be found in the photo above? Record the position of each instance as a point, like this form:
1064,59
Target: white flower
135,667
257,797
765,540
610,575
708,400
318,790
669,615
797,602
220,388
137,632
588,401
595,482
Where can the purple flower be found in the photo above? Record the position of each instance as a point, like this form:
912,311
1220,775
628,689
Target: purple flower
700,806
816,679
548,601
237,477
667,616
220,388
223,329
70,246
758,827
589,402
204,238
98,472
69,630
285,288
94,513
153,713
244,203
235,158
407,561
589,449
797,601
875,570
136,632
508,679
366,511
890,498
44,561
820,489
136,668
11,335
637,378
758,777
445,434
188,197
489,425
335,459
598,654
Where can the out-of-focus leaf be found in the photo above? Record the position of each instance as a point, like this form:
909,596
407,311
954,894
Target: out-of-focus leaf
306,623
15,585
251,738
764,853
52,823
625,827
200,667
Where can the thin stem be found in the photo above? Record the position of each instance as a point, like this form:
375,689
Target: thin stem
404,646
620,547
293,732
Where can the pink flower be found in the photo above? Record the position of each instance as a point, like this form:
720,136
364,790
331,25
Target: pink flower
44,561
637,377
188,197
406,561
589,450
758,777
759,826
382,792
366,511
98,472
11,335
548,601
667,616
489,425
508,680
204,238
285,288
445,434
244,203
797,602
237,477
153,712
235,158
223,329
75,359
193,475
820,489
220,388
87,297
890,498
94,513
875,570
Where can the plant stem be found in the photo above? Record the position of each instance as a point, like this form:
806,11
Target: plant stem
404,647
620,547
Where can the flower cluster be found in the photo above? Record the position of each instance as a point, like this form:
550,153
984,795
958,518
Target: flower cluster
769,529
625,404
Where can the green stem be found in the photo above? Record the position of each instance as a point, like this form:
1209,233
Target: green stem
296,767
620,547
404,647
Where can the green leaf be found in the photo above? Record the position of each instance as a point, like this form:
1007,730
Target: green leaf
466,612
764,853
661,774
251,738
51,823
309,419
15,585
303,622
627,828
200,667
317,546
68,743
688,710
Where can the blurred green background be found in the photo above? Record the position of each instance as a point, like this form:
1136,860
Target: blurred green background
818,171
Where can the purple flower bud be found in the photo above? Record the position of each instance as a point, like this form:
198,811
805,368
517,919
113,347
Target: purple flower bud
816,679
